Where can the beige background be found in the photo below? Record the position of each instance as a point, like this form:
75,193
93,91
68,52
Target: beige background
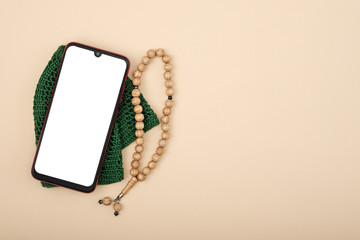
265,132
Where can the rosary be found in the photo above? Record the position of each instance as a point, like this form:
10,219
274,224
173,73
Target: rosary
138,176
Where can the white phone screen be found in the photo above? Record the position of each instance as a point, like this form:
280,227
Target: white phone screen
80,115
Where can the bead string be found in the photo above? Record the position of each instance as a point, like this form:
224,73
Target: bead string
138,176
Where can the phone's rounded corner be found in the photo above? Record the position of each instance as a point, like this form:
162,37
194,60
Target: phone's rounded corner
89,189
34,173
127,61
70,44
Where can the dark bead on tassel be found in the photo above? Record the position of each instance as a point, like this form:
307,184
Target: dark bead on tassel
116,213
136,86
100,201
170,97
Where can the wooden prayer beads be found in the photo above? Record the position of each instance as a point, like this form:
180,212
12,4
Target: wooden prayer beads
140,176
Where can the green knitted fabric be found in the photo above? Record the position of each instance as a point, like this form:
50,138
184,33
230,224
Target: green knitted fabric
123,132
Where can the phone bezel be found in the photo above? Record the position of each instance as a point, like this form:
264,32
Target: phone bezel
61,182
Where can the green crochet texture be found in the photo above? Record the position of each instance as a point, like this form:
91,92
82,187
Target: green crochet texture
123,132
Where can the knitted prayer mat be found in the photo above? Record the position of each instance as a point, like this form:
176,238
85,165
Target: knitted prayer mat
123,132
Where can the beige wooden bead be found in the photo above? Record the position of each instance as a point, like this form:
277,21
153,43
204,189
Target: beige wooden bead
136,156
106,201
152,165
135,92
141,177
167,67
135,101
139,125
166,59
169,103
170,91
162,143
137,74
151,53
135,164
146,60
141,67
139,117
139,141
117,207
146,170
165,135
160,52
166,111
165,127
136,82
169,83
139,148
160,150
167,75
134,172
139,133
138,109
156,157
165,119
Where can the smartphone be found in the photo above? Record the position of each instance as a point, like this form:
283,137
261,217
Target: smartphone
79,120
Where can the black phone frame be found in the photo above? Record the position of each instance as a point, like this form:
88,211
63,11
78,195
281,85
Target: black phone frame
61,182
